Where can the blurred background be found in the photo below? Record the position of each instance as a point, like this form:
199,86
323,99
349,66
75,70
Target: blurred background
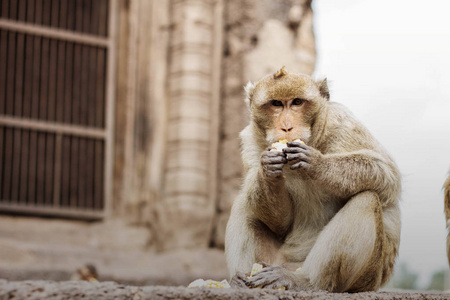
119,124
388,62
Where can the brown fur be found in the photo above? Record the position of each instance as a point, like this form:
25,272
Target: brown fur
330,206
447,212
280,73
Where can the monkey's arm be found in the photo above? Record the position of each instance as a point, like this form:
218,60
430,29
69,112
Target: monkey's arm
346,174
266,193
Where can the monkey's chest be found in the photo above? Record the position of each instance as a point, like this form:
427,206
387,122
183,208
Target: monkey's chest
313,205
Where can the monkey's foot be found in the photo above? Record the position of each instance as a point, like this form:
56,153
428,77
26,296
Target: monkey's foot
239,281
276,277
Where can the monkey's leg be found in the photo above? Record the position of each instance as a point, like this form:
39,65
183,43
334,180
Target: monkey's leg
352,251
239,246
247,241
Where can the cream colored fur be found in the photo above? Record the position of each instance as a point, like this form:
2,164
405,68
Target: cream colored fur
342,226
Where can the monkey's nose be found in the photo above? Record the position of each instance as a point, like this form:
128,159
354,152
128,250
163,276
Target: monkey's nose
285,129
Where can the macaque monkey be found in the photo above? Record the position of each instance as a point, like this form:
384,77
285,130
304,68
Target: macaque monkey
447,212
323,215
87,272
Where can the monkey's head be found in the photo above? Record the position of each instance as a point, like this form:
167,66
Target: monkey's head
285,105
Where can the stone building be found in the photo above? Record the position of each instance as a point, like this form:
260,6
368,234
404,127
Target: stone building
119,124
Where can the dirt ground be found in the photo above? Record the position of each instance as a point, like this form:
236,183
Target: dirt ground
19,290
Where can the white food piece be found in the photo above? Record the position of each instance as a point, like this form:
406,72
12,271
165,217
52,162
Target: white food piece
281,144
255,269
209,283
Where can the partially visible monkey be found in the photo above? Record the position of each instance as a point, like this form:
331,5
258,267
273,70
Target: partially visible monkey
321,215
447,212
87,272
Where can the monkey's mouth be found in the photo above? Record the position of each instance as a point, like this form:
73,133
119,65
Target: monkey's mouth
275,136
281,144
285,139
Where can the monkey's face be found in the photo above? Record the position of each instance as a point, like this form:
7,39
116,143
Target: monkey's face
284,105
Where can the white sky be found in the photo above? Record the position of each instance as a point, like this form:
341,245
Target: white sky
389,62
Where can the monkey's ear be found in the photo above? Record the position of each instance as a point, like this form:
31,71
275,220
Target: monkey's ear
323,88
249,88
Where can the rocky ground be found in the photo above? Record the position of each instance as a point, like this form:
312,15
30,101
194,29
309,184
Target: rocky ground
18,290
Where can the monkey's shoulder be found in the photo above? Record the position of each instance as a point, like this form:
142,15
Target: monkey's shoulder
341,118
344,132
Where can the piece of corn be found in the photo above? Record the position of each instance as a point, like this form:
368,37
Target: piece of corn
281,144
255,269
209,283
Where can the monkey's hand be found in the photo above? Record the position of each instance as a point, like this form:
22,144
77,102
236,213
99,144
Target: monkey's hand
304,157
239,280
274,277
272,163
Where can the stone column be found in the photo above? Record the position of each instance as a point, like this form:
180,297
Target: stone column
141,110
190,169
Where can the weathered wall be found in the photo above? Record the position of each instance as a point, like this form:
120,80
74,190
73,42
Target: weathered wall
178,169
180,71
260,37
167,125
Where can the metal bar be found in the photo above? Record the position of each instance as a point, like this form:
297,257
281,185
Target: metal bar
99,174
3,68
54,33
110,80
49,168
2,153
30,11
7,160
90,163
32,171
65,172
25,149
57,171
51,211
11,72
40,168
53,127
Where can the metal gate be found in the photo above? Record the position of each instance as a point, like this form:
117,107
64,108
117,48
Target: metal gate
56,106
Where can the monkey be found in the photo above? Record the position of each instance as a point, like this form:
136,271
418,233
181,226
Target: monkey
323,215
88,272
447,212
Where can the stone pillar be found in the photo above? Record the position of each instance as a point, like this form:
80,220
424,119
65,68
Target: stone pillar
194,78
141,110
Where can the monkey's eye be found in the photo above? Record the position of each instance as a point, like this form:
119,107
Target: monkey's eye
298,101
276,103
